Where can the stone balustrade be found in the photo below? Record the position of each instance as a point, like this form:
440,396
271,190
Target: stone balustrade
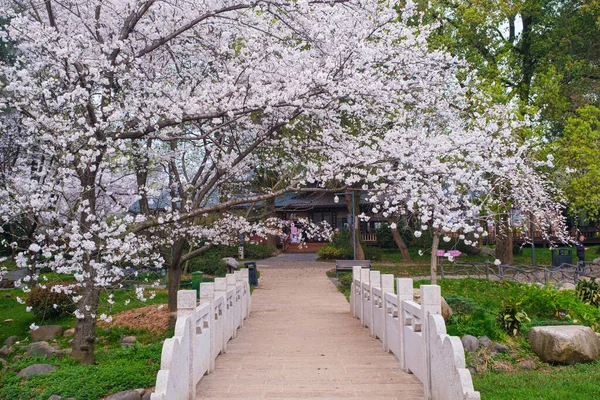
201,334
414,333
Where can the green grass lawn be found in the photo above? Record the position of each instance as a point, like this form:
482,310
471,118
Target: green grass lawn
10,309
559,383
477,303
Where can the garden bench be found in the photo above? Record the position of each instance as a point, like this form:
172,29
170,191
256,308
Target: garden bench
346,265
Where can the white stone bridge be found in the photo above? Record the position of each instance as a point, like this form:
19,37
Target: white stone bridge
303,340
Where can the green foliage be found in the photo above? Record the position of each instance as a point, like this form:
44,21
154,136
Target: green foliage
511,316
116,370
578,381
47,304
588,292
259,251
578,151
471,319
384,237
210,262
340,248
542,301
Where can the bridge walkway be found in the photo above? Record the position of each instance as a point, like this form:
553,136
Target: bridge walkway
301,342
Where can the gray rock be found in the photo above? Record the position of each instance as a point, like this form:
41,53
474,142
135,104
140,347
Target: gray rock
10,340
46,332
69,332
128,341
485,341
125,395
500,348
527,365
446,310
565,344
3,362
231,262
5,350
54,397
470,343
147,395
36,369
40,349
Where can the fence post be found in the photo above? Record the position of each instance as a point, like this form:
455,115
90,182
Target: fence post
221,290
207,294
186,306
375,279
355,275
232,307
364,277
239,280
405,293
246,283
387,286
431,303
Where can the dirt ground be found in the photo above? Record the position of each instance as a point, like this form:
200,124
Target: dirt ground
153,318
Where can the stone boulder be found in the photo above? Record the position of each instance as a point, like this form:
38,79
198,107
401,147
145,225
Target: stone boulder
36,369
470,343
128,341
46,332
127,395
446,310
69,332
40,349
484,341
5,350
10,340
565,344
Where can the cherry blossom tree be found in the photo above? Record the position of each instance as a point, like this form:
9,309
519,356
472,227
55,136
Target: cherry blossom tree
122,101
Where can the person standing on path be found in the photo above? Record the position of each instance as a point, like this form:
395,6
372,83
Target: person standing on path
581,249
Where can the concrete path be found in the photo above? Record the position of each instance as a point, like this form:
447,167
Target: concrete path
301,342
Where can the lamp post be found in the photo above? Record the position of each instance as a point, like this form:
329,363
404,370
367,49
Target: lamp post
336,200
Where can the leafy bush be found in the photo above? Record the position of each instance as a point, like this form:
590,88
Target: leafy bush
259,251
588,292
48,304
542,301
511,316
340,248
461,305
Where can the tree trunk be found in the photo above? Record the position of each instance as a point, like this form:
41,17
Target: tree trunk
504,241
401,245
435,244
85,328
175,275
360,254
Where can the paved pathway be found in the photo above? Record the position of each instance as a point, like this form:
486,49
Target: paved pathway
301,342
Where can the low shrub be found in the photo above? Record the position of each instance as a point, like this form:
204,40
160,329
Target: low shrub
588,292
48,304
259,251
341,248
511,316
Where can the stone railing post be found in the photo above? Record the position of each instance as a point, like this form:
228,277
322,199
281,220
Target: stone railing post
355,275
233,306
186,305
375,279
246,282
405,293
364,277
431,303
387,286
239,280
221,290
207,295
